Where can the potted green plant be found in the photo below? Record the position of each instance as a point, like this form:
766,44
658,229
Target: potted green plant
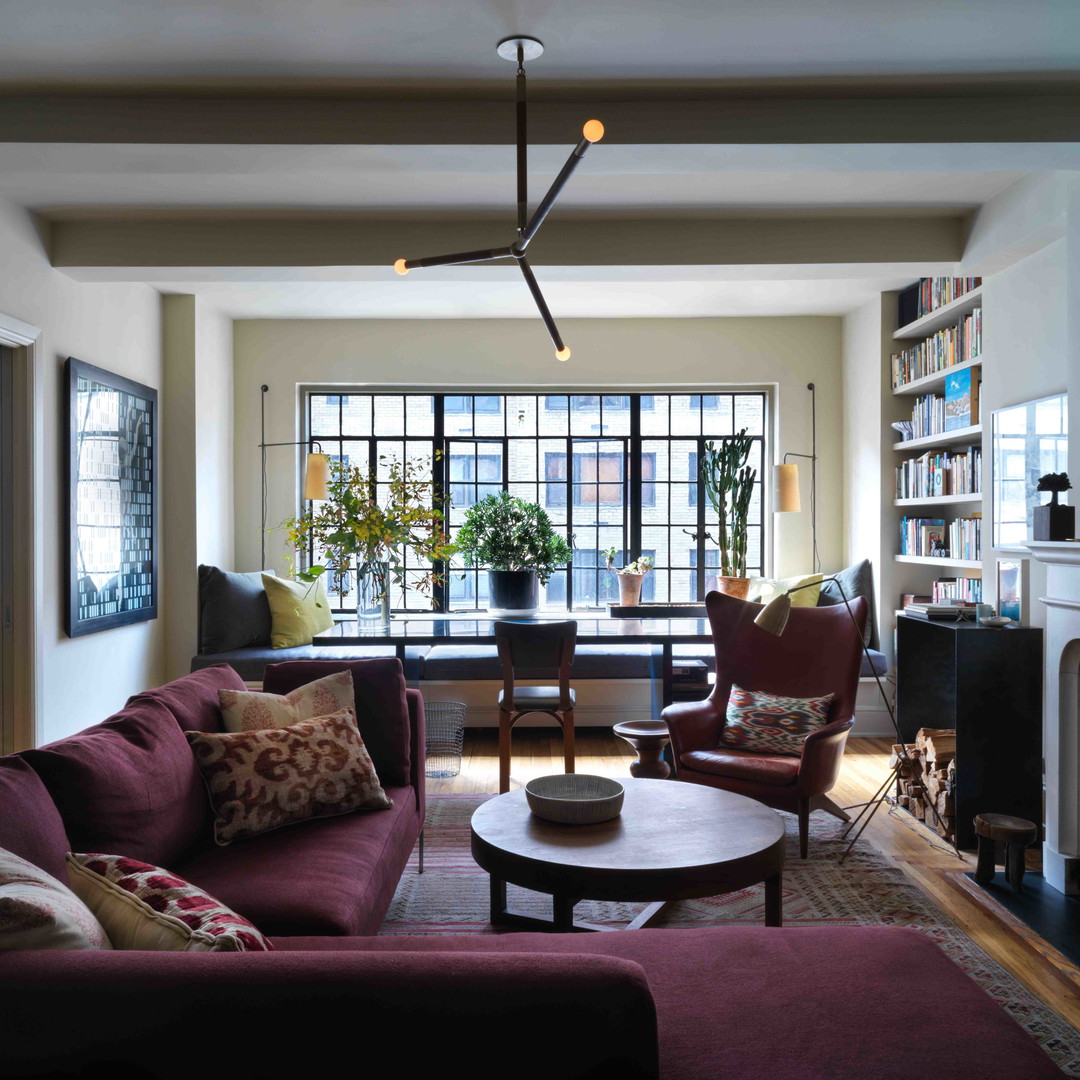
354,533
517,543
631,577
729,485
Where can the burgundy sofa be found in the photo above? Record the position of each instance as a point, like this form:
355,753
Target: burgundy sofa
744,1003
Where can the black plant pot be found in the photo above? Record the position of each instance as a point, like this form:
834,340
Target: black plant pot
513,592
1052,521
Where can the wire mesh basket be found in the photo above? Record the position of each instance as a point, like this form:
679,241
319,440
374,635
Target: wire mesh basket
445,735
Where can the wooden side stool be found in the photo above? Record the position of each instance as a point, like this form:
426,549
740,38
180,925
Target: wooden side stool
1017,834
648,738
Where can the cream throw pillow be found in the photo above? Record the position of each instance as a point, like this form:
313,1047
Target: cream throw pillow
247,710
298,611
762,590
39,912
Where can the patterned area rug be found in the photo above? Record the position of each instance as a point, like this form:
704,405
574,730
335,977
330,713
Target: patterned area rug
451,897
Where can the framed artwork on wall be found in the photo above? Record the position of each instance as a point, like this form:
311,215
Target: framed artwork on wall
112,478
1012,589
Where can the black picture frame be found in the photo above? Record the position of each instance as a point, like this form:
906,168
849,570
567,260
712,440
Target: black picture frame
112,496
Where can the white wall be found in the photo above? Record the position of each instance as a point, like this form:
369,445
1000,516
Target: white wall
116,327
646,354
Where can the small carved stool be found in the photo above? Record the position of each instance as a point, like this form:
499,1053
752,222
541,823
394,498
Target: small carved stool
1016,834
648,738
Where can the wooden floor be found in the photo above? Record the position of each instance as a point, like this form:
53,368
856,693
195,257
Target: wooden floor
926,859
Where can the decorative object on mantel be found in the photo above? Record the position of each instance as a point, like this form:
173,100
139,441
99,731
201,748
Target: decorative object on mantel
520,49
112,467
729,485
786,498
631,577
364,539
1012,589
1051,521
516,541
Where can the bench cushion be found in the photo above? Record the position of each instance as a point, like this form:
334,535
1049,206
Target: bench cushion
706,653
449,663
249,664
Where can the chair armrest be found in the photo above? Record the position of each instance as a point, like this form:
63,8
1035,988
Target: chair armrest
417,746
134,1012
693,725
823,751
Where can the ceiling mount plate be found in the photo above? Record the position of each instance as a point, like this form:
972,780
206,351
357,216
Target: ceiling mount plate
531,48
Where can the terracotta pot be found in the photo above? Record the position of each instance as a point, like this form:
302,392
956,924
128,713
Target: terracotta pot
733,586
630,589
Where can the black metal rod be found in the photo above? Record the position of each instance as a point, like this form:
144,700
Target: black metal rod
541,304
522,146
548,201
460,257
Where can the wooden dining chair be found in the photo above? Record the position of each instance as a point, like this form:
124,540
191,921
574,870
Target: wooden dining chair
535,651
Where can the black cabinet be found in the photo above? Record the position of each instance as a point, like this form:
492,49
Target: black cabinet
986,682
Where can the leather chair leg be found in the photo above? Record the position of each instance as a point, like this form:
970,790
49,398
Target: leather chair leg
504,751
823,802
804,827
568,739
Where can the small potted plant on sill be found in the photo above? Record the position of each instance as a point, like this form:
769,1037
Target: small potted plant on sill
630,577
729,485
355,535
517,543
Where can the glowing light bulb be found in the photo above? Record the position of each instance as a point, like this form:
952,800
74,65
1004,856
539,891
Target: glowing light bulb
593,130
400,267
562,354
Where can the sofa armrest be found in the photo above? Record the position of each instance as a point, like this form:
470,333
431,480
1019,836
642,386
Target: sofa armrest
417,746
139,1012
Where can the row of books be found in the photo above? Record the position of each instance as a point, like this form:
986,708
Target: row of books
950,346
967,590
964,537
939,291
942,472
924,537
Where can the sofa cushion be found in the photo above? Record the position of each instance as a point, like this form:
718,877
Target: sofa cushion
447,663
249,664
266,779
128,785
145,907
769,723
249,710
331,876
299,611
744,765
30,824
855,580
39,912
233,610
193,700
382,714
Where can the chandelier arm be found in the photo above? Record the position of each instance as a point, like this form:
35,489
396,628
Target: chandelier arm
461,257
548,201
522,146
541,304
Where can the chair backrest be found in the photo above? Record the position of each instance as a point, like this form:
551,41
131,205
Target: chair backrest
819,652
536,651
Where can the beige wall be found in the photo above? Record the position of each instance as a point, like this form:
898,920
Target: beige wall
780,354
115,327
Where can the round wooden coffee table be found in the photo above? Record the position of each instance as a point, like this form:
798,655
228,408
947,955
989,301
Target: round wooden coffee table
672,841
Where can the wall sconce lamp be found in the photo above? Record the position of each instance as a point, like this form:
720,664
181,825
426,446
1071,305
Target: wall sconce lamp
786,498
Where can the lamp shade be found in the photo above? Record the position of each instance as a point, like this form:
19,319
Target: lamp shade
786,489
316,476
773,617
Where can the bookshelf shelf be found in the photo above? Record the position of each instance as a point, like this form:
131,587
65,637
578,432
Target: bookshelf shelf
925,560
959,437
928,384
940,500
943,316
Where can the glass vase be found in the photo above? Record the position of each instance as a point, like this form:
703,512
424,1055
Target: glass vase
373,597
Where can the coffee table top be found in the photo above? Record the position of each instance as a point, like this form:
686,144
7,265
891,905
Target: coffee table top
673,840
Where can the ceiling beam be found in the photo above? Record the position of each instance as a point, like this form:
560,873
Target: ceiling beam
873,114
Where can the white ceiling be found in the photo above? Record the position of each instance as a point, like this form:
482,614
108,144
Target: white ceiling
321,43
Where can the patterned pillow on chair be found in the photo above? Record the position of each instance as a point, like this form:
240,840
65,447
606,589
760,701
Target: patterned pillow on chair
769,724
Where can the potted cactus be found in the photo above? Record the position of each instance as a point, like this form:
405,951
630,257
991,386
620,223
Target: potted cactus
729,485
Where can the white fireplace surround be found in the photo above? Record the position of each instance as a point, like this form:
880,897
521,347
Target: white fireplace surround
1061,712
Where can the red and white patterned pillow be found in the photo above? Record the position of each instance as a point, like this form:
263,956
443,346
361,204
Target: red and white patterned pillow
248,710
145,907
39,912
769,724
266,779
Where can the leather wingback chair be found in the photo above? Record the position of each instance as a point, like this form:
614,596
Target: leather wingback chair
535,651
819,652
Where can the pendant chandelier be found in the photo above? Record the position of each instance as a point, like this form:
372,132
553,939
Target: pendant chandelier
520,49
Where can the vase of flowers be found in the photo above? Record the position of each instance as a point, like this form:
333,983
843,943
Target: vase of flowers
630,578
1052,521
729,485
359,535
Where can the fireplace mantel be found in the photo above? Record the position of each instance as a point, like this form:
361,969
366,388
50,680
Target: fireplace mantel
1056,552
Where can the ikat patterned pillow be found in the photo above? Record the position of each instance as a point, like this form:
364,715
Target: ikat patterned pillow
245,710
768,724
266,779
147,908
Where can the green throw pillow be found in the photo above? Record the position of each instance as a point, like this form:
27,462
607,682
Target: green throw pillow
298,611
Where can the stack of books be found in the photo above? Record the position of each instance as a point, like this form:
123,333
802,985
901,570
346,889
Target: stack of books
942,611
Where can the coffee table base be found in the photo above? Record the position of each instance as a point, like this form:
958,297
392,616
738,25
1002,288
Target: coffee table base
562,919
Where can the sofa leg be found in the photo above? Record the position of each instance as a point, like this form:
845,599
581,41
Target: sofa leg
804,827
421,852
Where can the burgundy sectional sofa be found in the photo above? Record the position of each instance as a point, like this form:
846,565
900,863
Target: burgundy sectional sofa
742,1003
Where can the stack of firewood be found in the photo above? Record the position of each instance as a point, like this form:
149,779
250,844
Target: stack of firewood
927,779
